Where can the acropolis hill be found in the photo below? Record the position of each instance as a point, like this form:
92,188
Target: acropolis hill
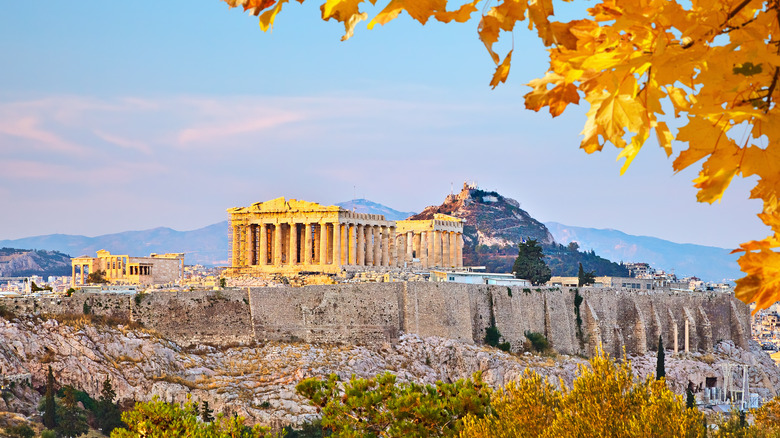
243,349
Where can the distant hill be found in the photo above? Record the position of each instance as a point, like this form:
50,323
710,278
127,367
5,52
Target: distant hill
24,263
706,262
495,225
366,206
207,246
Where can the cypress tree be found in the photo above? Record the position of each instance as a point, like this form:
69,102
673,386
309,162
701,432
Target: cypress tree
690,400
49,407
660,368
205,413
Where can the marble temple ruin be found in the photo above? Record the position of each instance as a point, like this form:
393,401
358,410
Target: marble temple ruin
290,236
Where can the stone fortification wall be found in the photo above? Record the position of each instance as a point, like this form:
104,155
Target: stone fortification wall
337,313
212,317
364,313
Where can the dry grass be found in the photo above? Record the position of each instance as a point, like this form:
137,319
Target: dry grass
80,320
177,380
708,358
124,358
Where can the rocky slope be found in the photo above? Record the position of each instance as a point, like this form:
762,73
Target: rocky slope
26,262
258,381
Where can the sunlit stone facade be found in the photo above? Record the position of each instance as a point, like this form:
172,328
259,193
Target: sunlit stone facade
123,269
291,236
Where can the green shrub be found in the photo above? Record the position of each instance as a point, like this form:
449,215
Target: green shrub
20,431
538,342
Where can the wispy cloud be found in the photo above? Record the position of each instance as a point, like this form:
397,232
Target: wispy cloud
28,128
123,142
222,131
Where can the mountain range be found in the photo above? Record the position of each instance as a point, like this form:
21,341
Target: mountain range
498,221
706,262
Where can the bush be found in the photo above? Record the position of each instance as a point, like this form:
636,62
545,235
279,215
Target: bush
20,431
492,336
538,342
48,434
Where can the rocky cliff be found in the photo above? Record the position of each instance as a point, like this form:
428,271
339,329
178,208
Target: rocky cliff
25,262
258,380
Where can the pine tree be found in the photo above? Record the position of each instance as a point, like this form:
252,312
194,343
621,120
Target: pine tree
530,264
49,406
660,366
72,421
109,416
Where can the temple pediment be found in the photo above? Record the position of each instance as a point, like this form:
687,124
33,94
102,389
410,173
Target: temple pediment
283,205
446,217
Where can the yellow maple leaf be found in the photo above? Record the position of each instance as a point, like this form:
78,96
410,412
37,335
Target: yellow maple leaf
420,10
664,136
268,17
762,283
502,71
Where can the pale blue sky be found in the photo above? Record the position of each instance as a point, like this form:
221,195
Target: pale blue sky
119,116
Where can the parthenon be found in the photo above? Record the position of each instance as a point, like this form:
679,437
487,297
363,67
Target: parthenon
291,236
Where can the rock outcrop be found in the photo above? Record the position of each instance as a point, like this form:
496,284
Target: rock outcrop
491,219
258,381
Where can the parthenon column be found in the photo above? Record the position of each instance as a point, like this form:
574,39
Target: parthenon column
423,255
344,235
445,249
361,245
293,258
385,246
323,243
307,244
263,258
377,246
436,244
393,247
459,260
409,246
453,249
352,251
250,245
336,244
236,250
369,239
277,244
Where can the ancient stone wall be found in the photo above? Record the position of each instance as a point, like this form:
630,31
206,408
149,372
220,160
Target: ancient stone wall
361,313
338,313
219,317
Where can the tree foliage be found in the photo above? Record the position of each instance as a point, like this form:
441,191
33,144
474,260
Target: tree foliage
71,419
22,430
157,419
108,416
530,264
660,360
585,278
380,406
715,64
604,400
49,405
97,277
